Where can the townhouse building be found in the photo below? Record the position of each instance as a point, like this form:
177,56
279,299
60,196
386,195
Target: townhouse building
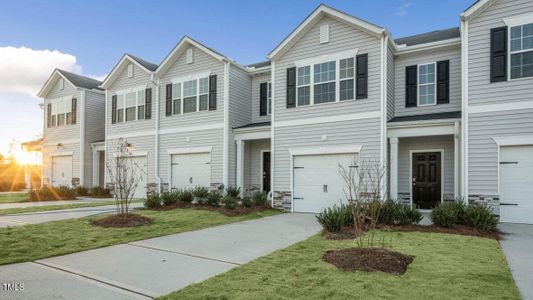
448,114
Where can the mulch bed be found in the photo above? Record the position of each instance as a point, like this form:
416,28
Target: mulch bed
118,221
459,229
346,233
369,260
240,210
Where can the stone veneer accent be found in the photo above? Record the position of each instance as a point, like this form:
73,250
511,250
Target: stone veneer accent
492,200
405,198
282,200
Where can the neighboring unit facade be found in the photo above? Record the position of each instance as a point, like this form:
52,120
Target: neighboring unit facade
73,124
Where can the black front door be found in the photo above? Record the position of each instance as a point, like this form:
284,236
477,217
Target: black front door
426,179
266,172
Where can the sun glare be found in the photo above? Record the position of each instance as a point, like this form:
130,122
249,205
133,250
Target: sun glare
27,158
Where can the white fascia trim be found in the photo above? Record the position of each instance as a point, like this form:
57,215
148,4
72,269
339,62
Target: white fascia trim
519,20
61,153
134,153
251,129
329,119
258,135
132,89
192,76
100,146
191,128
48,84
326,57
443,129
519,140
189,150
129,135
110,78
225,152
69,141
424,123
320,150
455,42
314,17
475,9
518,105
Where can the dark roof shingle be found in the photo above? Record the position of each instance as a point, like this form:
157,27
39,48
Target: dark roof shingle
81,81
427,117
148,65
428,37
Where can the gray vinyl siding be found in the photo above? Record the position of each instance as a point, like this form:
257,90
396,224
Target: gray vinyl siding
391,80
140,79
433,142
481,91
364,132
402,61
256,81
482,127
252,165
50,149
483,150
139,143
65,132
94,129
342,37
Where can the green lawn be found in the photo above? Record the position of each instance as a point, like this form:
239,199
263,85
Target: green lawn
445,267
10,211
30,242
14,197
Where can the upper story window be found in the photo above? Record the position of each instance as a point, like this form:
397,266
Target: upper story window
304,86
131,106
521,46
269,98
324,85
61,112
265,98
190,96
347,76
426,84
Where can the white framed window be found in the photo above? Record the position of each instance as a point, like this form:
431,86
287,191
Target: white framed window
347,78
120,108
304,86
521,51
426,84
190,96
324,82
131,105
61,111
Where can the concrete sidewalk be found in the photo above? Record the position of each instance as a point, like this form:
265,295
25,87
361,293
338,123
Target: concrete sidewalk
49,203
157,266
56,215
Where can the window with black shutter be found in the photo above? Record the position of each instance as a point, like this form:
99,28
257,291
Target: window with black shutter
410,86
361,76
213,92
74,111
114,109
498,54
291,87
168,102
263,99
49,115
443,82
148,104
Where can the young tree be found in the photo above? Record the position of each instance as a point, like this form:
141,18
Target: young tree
364,189
124,174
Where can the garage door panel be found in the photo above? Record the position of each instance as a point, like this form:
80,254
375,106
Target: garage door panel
516,184
141,172
62,170
190,170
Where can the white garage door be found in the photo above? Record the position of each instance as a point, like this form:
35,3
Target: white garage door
190,170
317,183
62,170
516,184
141,171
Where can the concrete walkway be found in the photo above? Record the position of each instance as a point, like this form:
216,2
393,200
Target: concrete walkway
48,203
56,215
157,266
517,246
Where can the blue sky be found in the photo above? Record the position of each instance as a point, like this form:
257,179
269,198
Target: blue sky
94,34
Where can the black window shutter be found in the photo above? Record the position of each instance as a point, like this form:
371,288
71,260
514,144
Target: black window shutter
498,54
168,102
114,109
263,99
291,87
49,115
362,76
443,82
148,103
411,74
213,92
74,110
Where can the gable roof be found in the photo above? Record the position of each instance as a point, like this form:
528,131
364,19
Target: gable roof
313,18
429,37
184,43
146,66
77,81
476,8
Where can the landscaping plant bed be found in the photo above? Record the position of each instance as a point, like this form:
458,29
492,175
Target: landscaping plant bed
121,221
241,210
458,229
346,233
369,260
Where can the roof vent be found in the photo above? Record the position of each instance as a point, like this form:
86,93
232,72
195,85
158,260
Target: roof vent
324,34
189,56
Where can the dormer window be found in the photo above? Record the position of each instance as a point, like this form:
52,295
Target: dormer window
130,70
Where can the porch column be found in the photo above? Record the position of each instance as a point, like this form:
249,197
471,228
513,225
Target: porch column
394,167
240,165
456,131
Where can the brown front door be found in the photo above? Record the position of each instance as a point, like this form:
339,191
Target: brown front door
426,179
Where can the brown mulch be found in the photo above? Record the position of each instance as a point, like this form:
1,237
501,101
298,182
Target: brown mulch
240,210
458,229
369,260
118,221
346,233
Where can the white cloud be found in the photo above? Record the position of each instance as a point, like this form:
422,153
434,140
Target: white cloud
25,70
403,10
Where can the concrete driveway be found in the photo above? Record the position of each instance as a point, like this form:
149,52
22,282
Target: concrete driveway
157,266
517,246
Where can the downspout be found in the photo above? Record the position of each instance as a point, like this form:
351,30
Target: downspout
464,107
156,83
225,159
105,138
383,106
272,127
82,138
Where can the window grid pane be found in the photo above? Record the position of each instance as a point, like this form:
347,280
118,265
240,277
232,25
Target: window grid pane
346,68
203,102
189,88
304,75
304,96
204,85
176,106
324,92
324,72
189,104
346,89
130,114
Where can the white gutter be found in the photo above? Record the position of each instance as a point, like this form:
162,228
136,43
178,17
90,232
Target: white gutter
82,138
105,138
156,102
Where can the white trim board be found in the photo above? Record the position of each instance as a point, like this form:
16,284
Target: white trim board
326,57
54,143
517,105
192,76
411,152
166,131
329,119
133,154
521,140
61,153
189,150
258,135
430,130
318,150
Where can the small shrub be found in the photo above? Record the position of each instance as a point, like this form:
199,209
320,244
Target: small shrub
99,192
480,216
170,198
260,199
66,192
247,202
152,201
213,199
388,213
200,193
331,218
448,213
397,213
185,195
230,202
52,193
233,191
346,213
81,191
